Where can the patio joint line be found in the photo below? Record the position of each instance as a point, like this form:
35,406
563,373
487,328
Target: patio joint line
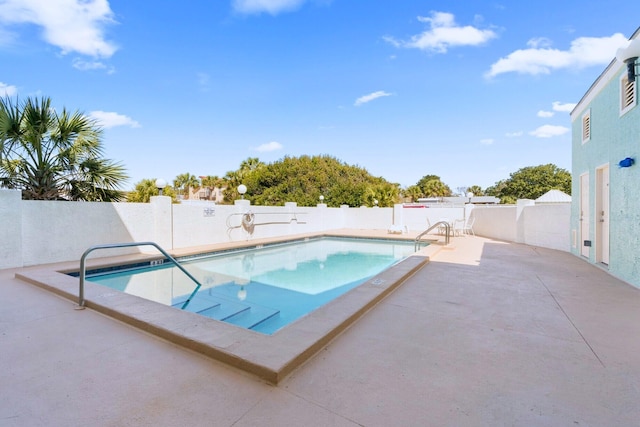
324,408
251,408
571,321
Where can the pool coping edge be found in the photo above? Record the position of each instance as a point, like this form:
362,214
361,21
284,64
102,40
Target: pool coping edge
269,357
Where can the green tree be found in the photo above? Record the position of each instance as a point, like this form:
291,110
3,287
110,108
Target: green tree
385,193
233,179
210,183
185,181
52,155
476,190
146,188
303,179
250,164
432,186
531,182
413,193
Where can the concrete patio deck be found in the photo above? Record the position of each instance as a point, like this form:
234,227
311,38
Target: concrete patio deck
487,334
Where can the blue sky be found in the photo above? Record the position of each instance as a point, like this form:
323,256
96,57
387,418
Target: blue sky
470,91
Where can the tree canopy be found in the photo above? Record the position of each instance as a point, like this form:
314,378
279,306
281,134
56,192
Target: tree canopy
476,190
52,155
428,186
304,179
146,188
185,181
234,178
531,182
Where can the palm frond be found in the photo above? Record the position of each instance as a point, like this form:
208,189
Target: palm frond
51,155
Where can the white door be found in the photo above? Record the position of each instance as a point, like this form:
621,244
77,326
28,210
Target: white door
602,210
584,214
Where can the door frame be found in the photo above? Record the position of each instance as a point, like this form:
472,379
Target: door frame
584,214
602,213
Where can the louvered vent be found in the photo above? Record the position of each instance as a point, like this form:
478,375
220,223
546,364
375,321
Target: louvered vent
628,94
586,127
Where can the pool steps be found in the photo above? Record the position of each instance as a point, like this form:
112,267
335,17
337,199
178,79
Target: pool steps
218,307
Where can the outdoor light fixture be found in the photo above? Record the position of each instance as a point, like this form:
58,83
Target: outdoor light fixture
160,184
375,202
626,162
321,198
242,189
629,55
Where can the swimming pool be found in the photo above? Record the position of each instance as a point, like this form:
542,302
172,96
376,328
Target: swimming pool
271,357
266,287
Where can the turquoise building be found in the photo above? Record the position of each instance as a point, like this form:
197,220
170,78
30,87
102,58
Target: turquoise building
605,211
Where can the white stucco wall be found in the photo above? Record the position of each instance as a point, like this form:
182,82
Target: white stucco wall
55,231
38,232
419,219
498,222
10,228
368,218
201,224
544,225
548,226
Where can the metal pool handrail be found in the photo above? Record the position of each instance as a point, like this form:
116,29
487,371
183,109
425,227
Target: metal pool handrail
83,269
447,228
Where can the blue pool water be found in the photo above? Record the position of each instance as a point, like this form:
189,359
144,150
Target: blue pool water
263,288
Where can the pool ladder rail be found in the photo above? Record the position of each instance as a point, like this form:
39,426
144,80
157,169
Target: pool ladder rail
83,269
447,233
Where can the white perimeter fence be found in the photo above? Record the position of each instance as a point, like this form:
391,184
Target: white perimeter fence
40,232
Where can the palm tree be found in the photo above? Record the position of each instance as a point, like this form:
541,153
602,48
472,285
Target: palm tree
212,183
476,190
231,181
184,182
413,192
54,156
432,186
385,194
251,164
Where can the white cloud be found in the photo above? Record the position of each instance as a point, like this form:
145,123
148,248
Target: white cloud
7,90
272,7
539,43
109,120
444,33
565,107
269,146
514,134
487,141
583,52
545,114
72,25
548,131
83,65
368,98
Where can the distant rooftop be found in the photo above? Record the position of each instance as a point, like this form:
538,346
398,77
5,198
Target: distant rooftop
554,196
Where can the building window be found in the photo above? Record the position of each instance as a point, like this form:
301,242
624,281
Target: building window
586,126
627,94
